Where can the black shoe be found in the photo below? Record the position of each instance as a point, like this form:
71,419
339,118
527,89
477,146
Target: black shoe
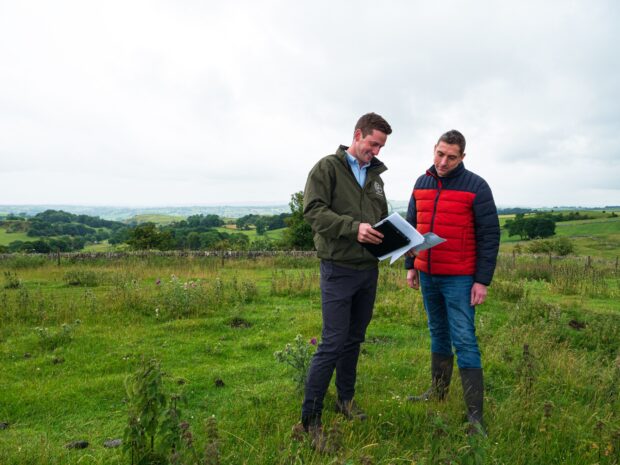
350,410
441,375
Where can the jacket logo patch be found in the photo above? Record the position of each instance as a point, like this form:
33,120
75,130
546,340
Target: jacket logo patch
378,188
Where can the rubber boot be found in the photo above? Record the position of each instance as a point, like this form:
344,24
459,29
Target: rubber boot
441,374
473,393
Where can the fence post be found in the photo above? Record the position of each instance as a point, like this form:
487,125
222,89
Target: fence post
58,257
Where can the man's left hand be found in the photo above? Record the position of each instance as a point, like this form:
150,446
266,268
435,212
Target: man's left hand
478,294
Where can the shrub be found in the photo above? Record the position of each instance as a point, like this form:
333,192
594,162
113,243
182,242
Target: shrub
560,246
563,246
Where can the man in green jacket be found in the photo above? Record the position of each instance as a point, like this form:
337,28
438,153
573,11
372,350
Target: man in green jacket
343,198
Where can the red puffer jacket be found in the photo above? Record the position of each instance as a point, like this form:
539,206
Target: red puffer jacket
460,208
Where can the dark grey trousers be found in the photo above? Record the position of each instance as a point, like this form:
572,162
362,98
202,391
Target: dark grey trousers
347,297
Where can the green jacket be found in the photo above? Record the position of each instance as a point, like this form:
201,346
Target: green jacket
335,205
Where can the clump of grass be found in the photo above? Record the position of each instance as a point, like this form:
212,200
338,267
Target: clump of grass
294,282
535,271
533,312
178,298
11,280
52,339
510,291
81,278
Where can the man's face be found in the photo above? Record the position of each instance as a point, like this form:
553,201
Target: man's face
366,148
447,157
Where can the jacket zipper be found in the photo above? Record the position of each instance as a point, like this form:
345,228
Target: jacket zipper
439,186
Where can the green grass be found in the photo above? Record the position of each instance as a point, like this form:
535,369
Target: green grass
560,405
160,219
596,237
275,234
6,238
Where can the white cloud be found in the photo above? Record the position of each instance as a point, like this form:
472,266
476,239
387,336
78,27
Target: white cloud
182,103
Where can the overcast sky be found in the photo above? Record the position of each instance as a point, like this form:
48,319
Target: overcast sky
159,103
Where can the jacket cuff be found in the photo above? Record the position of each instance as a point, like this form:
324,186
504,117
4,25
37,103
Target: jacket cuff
355,226
482,280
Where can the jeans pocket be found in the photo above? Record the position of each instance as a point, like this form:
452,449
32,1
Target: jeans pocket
327,269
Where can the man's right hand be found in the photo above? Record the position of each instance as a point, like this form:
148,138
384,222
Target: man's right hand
365,233
413,279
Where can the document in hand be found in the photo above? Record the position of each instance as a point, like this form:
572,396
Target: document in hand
399,237
430,240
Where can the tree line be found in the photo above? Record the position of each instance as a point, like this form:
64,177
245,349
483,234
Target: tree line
60,231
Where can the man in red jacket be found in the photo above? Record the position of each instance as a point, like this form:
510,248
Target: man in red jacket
457,205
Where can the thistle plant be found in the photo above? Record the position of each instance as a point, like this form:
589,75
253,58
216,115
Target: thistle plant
297,355
146,401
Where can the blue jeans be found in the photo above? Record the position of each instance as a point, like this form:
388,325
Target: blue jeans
451,317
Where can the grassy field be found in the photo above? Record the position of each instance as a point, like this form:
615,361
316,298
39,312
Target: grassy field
160,219
275,234
550,336
6,238
598,237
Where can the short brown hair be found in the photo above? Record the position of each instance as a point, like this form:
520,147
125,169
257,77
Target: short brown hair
371,121
453,137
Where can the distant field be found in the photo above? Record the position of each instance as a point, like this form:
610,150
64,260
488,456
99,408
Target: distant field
103,246
274,234
155,218
596,237
6,238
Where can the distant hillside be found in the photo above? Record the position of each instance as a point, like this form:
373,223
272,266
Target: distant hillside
164,215
156,218
224,211
125,213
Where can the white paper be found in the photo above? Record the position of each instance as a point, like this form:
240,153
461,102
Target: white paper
430,240
403,226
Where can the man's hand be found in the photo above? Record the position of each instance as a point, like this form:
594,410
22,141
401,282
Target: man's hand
413,279
478,294
366,234
411,253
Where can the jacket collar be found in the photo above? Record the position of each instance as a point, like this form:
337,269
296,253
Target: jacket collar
456,172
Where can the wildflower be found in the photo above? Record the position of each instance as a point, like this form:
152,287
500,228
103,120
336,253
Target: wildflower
313,341
157,313
158,282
